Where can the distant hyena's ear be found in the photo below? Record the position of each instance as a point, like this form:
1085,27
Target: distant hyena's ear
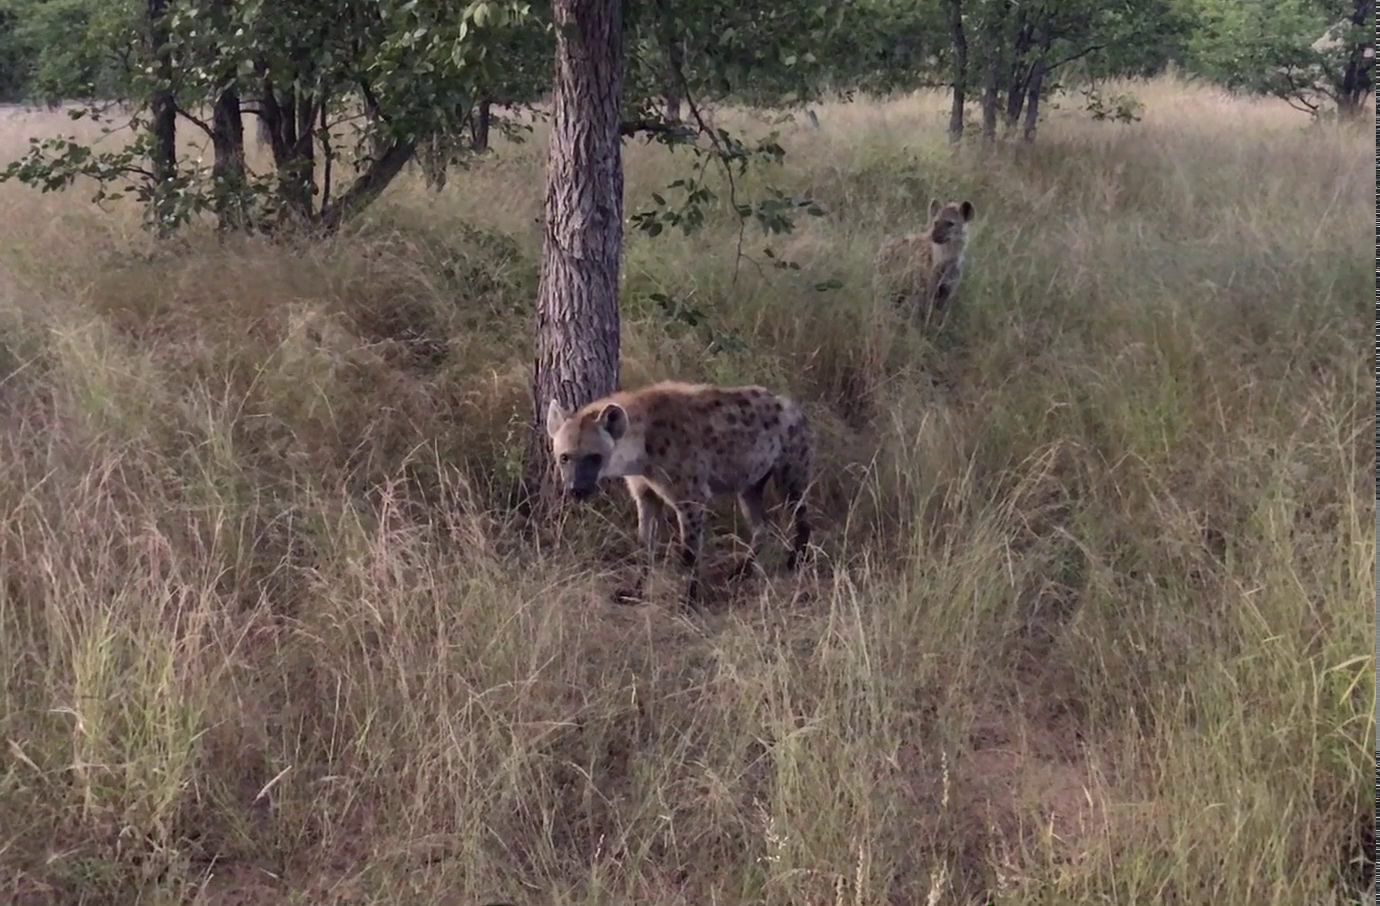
613,418
555,417
967,210
934,207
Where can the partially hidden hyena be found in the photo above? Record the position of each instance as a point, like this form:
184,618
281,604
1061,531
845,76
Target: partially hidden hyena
682,445
921,272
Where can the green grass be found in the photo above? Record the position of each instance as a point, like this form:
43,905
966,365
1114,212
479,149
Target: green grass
1091,619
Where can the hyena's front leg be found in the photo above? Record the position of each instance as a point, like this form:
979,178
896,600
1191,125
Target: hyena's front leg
648,511
754,511
691,515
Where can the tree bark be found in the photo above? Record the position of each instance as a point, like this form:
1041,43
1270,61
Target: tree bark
227,171
1019,77
369,184
577,331
479,125
1032,103
163,116
671,94
294,158
960,84
991,77
1356,83
227,138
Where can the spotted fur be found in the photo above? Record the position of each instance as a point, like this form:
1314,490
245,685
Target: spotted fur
682,445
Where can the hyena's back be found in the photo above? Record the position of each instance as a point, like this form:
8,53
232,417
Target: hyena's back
731,438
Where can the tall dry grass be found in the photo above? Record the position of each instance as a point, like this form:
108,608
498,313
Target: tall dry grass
1090,622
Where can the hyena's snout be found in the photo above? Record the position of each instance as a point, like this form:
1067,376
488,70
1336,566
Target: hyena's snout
580,476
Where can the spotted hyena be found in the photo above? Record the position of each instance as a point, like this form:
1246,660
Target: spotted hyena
921,272
682,445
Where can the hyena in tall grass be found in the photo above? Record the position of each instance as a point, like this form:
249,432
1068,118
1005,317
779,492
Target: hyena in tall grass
682,445
921,272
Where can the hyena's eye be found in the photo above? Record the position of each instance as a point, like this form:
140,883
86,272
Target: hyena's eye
565,458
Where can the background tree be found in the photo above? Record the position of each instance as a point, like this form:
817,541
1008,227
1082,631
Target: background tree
1315,54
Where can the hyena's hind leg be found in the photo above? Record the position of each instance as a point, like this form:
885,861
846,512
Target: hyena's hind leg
691,515
793,476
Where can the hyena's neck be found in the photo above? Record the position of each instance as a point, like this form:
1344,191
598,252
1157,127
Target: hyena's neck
944,253
628,459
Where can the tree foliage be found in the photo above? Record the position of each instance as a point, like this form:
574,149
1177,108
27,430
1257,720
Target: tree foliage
1316,54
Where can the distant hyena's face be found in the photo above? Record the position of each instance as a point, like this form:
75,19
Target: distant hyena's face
582,445
949,222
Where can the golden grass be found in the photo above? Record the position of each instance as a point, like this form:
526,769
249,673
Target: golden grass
1091,620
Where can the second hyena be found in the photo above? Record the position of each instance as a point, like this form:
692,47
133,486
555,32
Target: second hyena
682,445
921,272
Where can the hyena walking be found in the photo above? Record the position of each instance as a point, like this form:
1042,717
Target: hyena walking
682,445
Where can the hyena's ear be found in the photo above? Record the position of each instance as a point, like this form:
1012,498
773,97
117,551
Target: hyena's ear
967,210
613,418
555,417
934,207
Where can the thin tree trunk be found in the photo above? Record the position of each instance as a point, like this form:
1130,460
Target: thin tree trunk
294,159
1019,77
960,84
1032,104
671,94
991,75
577,332
163,112
479,126
369,184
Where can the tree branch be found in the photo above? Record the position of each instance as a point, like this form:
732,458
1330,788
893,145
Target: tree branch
1074,56
655,127
369,184
196,121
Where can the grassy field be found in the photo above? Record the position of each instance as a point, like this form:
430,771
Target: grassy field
1090,620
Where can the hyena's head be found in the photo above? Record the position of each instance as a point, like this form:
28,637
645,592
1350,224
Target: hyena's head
949,222
582,444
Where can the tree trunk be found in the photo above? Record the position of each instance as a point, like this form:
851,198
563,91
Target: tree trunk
577,330
1032,104
1020,73
671,94
991,77
163,113
294,158
479,126
227,172
368,185
1356,84
960,85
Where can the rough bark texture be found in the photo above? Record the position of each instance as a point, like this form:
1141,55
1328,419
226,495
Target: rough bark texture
577,300
163,111
960,85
